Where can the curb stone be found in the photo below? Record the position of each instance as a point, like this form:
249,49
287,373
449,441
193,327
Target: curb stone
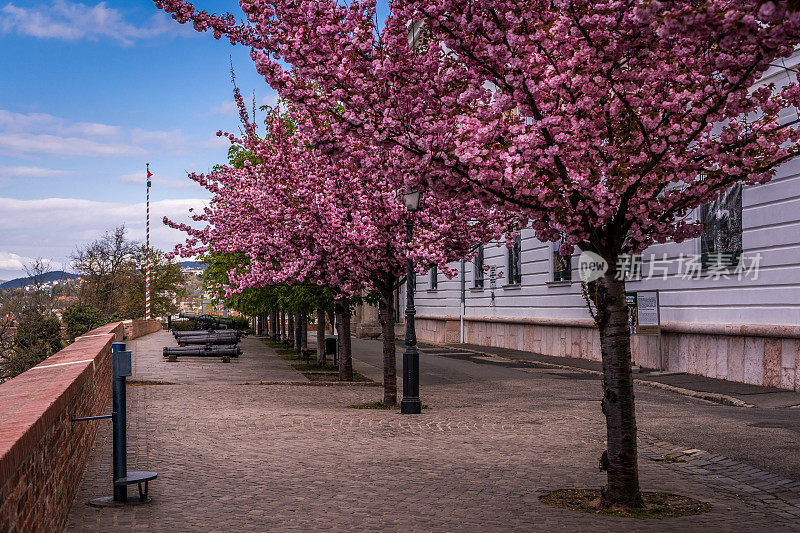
723,399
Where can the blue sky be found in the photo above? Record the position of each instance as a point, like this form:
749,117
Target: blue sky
89,93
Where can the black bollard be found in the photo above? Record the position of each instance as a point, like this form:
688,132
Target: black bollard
121,361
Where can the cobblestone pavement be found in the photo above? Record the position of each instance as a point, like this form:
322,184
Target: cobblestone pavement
233,457
253,365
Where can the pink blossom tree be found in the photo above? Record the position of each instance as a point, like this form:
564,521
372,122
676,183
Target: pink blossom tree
300,217
604,123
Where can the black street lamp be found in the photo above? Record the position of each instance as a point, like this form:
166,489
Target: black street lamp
411,404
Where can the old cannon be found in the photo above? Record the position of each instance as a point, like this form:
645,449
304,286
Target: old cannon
209,321
203,351
206,332
212,336
203,340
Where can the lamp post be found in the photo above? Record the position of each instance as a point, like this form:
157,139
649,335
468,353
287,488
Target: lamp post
411,404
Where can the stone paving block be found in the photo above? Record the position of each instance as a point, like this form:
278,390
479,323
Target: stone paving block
234,457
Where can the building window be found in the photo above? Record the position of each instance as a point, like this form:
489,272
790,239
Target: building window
434,278
721,241
515,261
562,264
477,269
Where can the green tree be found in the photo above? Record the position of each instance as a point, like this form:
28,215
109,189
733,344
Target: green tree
299,300
38,336
80,318
114,270
167,283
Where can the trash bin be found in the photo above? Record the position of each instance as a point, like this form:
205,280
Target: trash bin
330,345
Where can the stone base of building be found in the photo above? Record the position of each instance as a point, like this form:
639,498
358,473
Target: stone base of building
368,331
766,355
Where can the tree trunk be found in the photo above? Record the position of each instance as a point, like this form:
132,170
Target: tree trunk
321,357
274,325
620,459
331,319
388,319
304,335
290,329
284,336
342,310
298,332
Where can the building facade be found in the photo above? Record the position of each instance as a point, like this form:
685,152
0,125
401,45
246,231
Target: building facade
729,300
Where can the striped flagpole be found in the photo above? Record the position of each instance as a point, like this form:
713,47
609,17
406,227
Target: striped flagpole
147,277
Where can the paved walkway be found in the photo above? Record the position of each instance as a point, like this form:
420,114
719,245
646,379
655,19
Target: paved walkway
257,363
718,390
233,456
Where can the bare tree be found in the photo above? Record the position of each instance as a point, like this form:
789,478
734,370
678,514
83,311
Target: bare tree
100,263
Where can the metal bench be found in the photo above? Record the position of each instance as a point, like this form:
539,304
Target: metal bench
137,477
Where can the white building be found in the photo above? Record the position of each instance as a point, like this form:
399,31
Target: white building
742,327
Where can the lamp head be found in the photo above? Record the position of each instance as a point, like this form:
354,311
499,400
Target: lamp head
411,200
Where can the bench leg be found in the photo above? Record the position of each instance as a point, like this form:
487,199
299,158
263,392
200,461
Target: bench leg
143,495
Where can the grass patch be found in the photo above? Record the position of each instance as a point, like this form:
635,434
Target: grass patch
311,367
657,504
378,405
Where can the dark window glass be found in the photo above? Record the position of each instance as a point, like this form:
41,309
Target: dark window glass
515,261
721,241
477,269
562,265
434,278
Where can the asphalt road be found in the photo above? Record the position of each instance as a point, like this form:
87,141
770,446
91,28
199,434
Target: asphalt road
768,439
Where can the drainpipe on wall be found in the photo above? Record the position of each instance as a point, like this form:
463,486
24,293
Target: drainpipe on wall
463,309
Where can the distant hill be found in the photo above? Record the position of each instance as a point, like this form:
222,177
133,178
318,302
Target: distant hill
192,264
55,275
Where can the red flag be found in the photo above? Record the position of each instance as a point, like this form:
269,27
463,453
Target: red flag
149,175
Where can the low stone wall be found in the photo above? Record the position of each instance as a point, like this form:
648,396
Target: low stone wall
759,355
137,327
42,456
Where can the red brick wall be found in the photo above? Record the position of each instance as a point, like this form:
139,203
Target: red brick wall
137,327
42,458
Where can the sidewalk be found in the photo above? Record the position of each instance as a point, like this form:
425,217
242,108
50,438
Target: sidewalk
233,455
716,390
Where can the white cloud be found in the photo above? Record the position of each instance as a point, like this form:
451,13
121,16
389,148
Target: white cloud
159,181
214,142
270,100
13,265
41,133
228,107
15,262
73,21
45,123
32,172
14,143
173,140
53,227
